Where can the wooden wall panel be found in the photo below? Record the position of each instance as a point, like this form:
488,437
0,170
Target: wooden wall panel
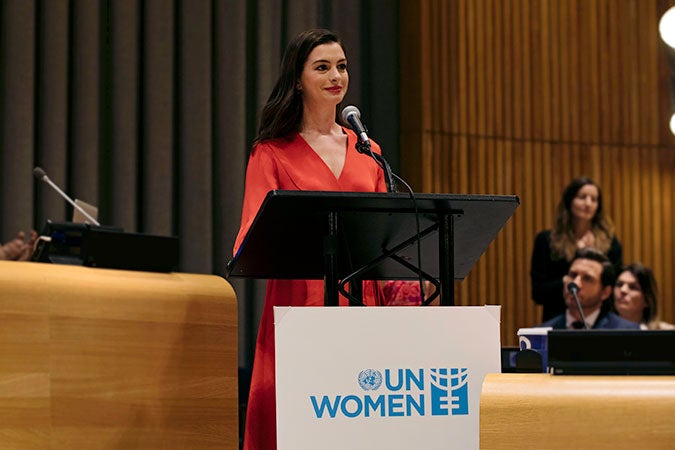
521,96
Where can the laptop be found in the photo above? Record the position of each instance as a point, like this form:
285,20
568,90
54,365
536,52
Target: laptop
611,352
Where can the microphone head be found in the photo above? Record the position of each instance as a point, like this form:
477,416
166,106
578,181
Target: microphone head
39,173
350,110
572,287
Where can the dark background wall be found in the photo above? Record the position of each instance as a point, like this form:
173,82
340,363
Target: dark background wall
147,109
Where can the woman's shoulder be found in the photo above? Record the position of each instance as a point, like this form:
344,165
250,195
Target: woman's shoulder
275,149
277,143
666,326
615,248
657,325
543,236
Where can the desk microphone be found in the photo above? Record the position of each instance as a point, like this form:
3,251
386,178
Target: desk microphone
42,176
573,288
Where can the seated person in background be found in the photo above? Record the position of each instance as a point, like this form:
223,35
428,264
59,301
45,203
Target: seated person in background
592,272
18,249
636,297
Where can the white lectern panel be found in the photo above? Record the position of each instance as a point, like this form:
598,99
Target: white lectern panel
394,377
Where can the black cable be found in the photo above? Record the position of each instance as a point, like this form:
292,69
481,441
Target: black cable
419,239
364,147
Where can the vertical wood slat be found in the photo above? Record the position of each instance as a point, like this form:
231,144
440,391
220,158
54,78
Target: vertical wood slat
562,67
507,75
633,59
604,79
497,97
517,87
589,71
479,73
471,68
524,97
447,73
615,49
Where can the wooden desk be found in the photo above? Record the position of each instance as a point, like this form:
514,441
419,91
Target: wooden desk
541,411
111,359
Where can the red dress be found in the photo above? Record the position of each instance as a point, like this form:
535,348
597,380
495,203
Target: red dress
291,164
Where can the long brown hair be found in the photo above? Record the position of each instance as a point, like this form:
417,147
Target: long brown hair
647,281
563,239
282,114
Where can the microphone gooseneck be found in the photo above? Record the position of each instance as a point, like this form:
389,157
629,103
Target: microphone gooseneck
41,175
574,289
352,116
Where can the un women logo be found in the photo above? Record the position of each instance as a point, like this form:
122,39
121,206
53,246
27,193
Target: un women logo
370,379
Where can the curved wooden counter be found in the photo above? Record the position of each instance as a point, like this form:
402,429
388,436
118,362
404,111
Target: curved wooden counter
111,359
542,411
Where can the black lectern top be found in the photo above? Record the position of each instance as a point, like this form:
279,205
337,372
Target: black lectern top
287,238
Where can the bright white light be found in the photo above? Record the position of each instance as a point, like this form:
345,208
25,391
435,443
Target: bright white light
667,27
672,124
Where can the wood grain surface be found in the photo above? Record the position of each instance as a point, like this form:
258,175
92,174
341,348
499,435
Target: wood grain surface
542,411
520,97
110,359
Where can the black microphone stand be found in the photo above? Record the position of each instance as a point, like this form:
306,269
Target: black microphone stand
364,147
573,288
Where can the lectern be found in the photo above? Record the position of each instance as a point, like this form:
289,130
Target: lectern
346,236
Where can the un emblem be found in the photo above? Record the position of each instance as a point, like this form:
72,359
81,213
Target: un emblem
370,379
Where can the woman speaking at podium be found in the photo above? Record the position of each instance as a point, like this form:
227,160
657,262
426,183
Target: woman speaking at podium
301,145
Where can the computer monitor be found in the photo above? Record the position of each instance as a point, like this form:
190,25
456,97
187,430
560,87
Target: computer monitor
611,352
108,247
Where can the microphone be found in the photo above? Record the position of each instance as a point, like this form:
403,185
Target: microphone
42,176
352,116
574,289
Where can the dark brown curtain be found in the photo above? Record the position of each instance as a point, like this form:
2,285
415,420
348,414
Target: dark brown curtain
147,110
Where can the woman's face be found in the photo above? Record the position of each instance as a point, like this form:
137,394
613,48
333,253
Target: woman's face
585,203
324,78
629,301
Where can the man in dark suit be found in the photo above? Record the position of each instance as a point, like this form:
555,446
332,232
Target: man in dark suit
594,275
